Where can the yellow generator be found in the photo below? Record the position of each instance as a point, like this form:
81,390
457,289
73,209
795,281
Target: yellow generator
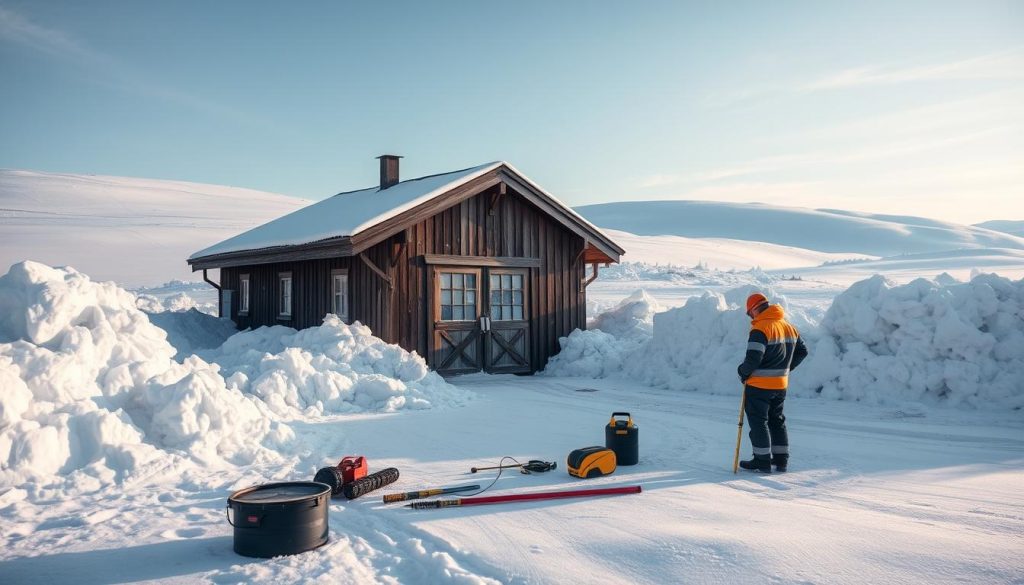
591,462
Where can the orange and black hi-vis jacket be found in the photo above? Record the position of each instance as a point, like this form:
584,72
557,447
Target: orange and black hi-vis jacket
774,348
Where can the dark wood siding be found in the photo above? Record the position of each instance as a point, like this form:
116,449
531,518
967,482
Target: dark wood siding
487,224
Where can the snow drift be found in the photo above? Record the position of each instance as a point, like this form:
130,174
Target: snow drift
91,390
333,368
926,341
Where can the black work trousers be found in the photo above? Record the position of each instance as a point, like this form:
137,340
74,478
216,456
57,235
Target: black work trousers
767,423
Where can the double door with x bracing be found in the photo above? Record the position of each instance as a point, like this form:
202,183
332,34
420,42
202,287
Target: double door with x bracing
480,320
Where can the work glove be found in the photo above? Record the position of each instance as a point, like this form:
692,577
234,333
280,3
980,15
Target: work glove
743,379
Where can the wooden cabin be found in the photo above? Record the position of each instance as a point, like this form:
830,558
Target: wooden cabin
477,270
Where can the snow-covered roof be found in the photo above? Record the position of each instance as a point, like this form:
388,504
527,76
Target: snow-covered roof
345,214
348,214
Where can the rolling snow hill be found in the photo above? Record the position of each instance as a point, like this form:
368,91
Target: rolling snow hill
134,231
1014,228
823,230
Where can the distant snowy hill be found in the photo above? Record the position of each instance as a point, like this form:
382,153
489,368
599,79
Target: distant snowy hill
811,229
720,253
134,231
1014,228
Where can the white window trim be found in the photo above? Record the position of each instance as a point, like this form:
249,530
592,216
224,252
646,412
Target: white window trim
334,294
243,293
281,276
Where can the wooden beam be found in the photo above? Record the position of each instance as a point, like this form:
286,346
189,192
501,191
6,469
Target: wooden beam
396,252
383,275
502,189
495,261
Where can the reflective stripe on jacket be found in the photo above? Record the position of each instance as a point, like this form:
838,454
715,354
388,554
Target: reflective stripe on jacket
774,348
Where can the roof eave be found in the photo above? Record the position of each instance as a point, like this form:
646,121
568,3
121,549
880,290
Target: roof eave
329,248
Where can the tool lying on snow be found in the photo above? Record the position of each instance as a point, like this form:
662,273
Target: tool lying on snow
348,470
533,465
390,498
591,462
369,483
633,489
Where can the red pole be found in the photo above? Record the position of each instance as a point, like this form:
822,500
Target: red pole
633,489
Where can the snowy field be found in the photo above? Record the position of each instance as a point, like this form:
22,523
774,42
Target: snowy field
129,412
120,451
875,495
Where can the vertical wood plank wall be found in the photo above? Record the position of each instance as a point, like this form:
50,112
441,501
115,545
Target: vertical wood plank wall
399,314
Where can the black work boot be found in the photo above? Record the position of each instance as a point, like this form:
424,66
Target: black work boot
762,464
780,462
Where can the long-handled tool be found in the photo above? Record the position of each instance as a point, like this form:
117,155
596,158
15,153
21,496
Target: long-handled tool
739,432
390,498
633,489
533,465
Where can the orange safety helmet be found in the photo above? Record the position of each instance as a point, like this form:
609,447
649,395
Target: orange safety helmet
755,300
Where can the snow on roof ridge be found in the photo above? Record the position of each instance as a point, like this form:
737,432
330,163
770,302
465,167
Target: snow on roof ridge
364,208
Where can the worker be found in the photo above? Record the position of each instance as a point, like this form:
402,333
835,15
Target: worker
774,349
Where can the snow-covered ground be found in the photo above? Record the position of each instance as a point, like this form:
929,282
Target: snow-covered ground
874,495
117,459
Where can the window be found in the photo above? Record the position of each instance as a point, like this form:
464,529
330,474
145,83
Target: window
284,295
243,294
339,288
458,296
507,297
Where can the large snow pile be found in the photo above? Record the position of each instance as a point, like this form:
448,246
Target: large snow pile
958,343
598,352
333,368
91,391
926,341
89,386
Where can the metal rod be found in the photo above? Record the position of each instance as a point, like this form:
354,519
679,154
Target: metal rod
633,489
389,498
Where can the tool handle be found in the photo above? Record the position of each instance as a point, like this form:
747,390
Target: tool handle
739,432
391,498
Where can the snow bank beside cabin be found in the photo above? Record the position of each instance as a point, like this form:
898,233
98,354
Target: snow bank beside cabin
927,341
333,368
91,391
613,335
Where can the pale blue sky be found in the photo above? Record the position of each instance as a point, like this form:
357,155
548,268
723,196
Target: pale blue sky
894,107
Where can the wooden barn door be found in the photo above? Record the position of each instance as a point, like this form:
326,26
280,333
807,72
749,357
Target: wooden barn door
457,321
507,335
480,320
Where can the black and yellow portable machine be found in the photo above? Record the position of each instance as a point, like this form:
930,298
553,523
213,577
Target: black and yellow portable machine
591,462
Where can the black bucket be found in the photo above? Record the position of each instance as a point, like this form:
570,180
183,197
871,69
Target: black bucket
279,518
623,437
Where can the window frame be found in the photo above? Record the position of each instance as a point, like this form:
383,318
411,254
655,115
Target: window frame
335,273
524,276
243,293
281,314
478,290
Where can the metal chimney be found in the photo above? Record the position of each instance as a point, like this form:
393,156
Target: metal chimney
388,170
